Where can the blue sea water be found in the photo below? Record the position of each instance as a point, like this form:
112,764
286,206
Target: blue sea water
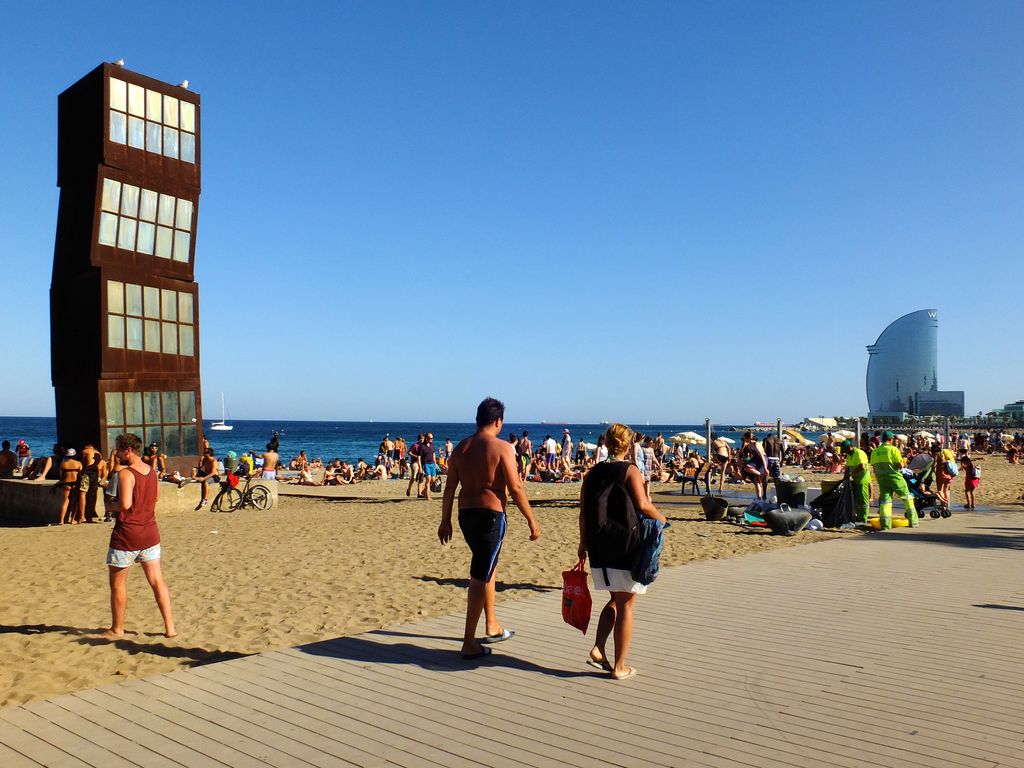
349,440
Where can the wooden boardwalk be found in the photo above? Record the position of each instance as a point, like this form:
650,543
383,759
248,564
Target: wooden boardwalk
901,650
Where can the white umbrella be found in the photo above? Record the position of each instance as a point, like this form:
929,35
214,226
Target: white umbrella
728,440
844,434
925,434
689,437
590,446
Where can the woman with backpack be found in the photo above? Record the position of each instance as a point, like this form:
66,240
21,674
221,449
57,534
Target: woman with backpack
611,502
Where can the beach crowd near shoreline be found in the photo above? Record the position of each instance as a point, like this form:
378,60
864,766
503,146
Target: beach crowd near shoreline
316,568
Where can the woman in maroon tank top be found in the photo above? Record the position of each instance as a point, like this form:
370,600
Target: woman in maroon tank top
136,536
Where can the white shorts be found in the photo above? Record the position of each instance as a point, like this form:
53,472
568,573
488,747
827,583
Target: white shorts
121,558
619,580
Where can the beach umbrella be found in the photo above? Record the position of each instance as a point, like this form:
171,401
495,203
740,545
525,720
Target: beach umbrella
844,434
692,438
925,434
590,446
901,438
728,440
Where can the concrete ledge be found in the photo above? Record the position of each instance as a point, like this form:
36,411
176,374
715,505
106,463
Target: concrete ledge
29,503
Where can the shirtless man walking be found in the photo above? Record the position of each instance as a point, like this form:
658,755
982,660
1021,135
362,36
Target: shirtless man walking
270,460
485,467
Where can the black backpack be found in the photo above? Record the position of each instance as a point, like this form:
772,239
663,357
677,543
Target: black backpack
612,522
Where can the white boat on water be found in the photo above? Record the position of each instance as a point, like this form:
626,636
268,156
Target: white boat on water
222,425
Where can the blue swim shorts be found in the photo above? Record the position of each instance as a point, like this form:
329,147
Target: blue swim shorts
430,470
120,558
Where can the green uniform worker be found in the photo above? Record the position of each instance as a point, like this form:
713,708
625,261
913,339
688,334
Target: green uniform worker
887,461
858,472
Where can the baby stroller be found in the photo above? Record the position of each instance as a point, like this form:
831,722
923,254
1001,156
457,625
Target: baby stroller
924,500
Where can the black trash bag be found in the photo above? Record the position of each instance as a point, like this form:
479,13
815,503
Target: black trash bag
835,508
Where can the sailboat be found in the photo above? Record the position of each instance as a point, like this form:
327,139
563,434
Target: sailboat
222,425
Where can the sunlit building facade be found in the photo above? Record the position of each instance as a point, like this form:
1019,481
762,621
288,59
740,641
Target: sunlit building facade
902,375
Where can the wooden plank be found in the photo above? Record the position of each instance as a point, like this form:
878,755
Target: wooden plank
33,748
12,759
113,743
65,740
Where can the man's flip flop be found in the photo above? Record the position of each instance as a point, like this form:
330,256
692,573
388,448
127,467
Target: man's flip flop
630,672
604,665
505,635
483,652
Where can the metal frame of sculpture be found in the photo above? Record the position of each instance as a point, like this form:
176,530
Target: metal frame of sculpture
124,304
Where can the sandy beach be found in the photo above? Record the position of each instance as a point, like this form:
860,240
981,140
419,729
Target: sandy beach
308,570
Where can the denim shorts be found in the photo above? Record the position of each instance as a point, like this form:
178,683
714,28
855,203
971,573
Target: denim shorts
120,558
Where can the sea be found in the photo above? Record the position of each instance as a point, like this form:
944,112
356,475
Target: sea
353,440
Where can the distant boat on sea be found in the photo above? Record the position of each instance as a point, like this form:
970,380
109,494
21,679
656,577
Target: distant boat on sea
555,423
222,425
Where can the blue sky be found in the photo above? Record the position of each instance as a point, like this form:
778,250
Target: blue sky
595,211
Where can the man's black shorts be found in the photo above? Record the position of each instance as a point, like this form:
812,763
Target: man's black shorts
484,530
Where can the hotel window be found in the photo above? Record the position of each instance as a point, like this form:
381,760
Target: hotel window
158,123
137,219
148,319
165,418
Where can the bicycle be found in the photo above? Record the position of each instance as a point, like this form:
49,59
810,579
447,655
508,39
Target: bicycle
231,499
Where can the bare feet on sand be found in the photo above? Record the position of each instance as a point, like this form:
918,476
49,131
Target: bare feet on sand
112,635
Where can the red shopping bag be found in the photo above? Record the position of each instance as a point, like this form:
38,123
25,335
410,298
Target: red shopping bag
576,602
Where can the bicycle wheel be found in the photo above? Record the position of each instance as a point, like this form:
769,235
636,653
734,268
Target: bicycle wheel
261,498
227,500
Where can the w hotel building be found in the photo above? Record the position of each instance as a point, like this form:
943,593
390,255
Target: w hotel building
123,298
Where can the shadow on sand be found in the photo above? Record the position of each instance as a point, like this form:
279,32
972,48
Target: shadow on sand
499,586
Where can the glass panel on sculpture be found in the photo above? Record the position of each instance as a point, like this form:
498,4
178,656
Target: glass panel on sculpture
170,407
136,100
172,440
168,305
115,297
186,339
147,205
151,301
154,137
133,408
184,307
163,242
188,406
136,132
188,116
111,195
184,218
118,97
144,243
189,439
152,335
115,331
153,100
130,200
188,147
134,335
133,299
154,434
170,111
181,244
126,234
114,406
108,229
118,127
151,401
166,210
170,142
170,332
